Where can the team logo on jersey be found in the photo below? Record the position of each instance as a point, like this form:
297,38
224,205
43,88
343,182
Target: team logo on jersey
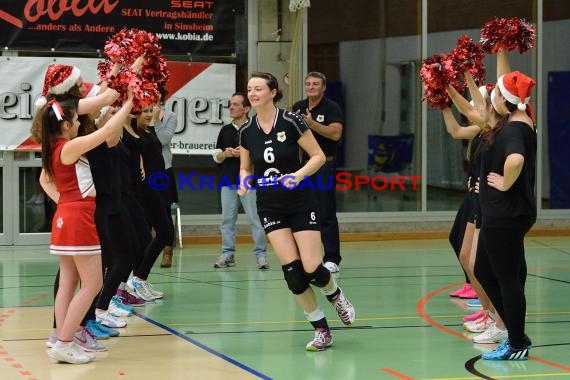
320,118
281,136
59,222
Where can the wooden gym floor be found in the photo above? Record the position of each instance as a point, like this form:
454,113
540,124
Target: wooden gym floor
242,323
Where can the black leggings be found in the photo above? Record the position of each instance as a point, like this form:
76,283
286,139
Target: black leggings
500,267
457,233
168,210
138,229
161,222
117,252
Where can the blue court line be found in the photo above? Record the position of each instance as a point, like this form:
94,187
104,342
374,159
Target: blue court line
203,347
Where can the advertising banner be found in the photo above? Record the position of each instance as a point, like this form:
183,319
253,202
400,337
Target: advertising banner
183,26
198,94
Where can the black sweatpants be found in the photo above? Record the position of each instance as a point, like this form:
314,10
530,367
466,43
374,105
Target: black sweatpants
161,222
500,267
116,247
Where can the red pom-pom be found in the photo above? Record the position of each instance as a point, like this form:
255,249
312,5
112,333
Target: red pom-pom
145,93
437,72
512,33
125,47
468,56
128,44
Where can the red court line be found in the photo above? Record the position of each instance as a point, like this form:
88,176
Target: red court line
420,307
552,364
16,365
396,374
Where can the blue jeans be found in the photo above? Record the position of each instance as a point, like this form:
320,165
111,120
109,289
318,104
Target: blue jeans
230,206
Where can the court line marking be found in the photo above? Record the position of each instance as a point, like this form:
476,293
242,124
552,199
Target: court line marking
528,375
4,354
396,374
420,307
203,347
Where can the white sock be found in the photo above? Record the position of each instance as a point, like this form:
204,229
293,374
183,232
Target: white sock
315,315
60,344
332,290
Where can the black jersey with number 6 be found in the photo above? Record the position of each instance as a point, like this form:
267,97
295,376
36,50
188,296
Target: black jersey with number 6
276,154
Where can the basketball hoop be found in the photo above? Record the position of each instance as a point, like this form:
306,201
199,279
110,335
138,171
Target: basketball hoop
295,5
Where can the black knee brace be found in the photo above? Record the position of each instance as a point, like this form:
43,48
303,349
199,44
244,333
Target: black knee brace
320,277
295,277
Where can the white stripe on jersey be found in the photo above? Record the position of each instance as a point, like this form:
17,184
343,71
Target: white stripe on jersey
295,119
248,124
84,177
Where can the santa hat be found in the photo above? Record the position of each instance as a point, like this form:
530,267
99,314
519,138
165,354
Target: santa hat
516,88
58,80
91,89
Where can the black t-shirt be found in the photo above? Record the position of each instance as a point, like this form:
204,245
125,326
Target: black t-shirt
474,169
273,155
151,151
123,163
130,154
500,207
229,138
105,170
326,112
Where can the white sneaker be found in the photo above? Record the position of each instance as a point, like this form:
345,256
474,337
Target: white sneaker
109,320
117,311
262,262
344,308
51,340
492,335
142,289
69,353
157,293
333,268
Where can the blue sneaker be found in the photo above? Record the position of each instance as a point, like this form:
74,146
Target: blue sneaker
505,352
108,330
99,331
505,343
476,303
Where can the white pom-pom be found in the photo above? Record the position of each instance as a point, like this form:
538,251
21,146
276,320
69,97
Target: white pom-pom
42,101
521,106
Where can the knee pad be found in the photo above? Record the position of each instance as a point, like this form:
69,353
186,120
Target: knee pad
295,277
320,277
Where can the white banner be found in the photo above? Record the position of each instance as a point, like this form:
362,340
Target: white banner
198,93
